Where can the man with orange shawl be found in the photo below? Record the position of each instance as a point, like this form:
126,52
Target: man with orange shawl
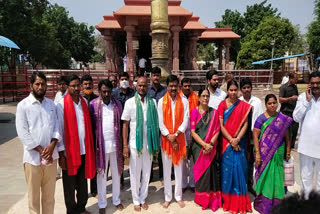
173,121
76,155
188,163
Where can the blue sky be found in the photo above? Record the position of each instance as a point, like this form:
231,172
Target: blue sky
299,12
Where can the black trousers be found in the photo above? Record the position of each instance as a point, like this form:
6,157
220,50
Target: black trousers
93,185
250,167
74,183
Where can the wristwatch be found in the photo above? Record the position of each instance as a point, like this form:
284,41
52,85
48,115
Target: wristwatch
176,134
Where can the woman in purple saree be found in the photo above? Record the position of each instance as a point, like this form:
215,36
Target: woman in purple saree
270,130
205,128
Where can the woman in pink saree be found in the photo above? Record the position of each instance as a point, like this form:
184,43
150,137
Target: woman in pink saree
205,128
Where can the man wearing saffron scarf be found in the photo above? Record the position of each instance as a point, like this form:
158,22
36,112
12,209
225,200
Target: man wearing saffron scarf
188,163
87,93
76,156
141,112
106,115
173,114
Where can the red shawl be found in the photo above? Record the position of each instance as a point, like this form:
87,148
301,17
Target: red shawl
72,142
235,121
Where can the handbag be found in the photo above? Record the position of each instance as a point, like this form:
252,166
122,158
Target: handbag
288,172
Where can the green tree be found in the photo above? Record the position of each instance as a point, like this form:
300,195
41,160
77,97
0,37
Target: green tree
257,46
206,53
313,34
257,13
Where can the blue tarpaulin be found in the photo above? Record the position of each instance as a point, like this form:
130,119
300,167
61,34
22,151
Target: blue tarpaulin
280,58
4,41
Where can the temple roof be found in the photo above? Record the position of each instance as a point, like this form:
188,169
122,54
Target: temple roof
218,33
109,22
194,24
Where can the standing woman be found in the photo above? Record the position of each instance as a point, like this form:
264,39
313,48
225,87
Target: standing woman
205,128
270,130
233,115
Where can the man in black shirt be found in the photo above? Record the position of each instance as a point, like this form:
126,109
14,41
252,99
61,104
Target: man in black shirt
288,98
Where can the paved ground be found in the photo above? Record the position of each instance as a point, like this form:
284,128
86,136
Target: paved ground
13,197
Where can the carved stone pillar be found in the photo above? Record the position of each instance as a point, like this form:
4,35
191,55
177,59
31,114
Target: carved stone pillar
194,41
160,35
227,45
175,48
220,56
170,61
130,60
109,54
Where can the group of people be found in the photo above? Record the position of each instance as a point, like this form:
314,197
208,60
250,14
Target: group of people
212,139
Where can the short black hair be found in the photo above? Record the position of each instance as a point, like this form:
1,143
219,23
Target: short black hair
185,80
269,96
245,81
62,79
106,83
124,74
298,204
156,70
172,78
232,82
36,74
72,77
291,75
86,77
314,74
210,73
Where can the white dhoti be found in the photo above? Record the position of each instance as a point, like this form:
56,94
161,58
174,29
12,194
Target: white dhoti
167,164
102,182
307,166
140,168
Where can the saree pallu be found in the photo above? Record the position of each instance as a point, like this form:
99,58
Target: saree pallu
270,174
234,166
206,168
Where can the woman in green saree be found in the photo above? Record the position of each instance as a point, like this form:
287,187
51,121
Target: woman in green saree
270,130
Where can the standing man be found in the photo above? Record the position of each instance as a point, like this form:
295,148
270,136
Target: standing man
141,112
124,92
87,93
173,114
114,81
76,155
62,89
216,95
256,111
38,129
288,98
307,113
142,66
188,163
106,113
156,91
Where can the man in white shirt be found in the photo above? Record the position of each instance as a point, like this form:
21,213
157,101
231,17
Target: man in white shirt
173,114
106,116
76,154
307,113
62,89
38,130
140,112
142,66
216,94
246,89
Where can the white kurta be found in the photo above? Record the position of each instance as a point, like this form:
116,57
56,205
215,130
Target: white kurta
110,156
308,114
216,98
140,165
167,161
